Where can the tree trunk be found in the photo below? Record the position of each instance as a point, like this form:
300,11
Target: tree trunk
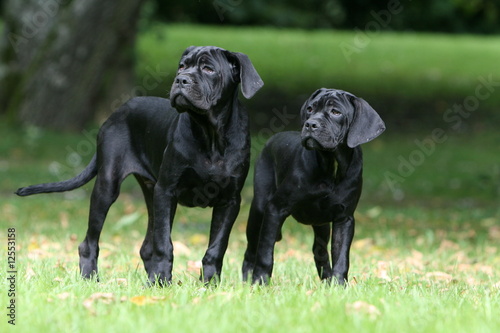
59,59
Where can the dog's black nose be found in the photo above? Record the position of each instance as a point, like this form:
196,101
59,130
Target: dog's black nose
183,80
311,125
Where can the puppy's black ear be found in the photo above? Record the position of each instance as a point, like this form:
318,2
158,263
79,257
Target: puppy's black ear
366,124
249,78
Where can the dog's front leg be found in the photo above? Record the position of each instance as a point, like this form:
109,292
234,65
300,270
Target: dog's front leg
158,257
320,251
223,218
342,235
271,225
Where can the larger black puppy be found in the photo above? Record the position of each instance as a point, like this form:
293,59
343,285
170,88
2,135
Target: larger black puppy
192,150
315,176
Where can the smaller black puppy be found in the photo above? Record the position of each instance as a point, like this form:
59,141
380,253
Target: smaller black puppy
315,176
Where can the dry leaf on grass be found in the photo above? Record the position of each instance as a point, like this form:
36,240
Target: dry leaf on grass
106,298
143,300
118,281
439,276
194,266
494,233
382,270
30,273
198,239
364,308
64,295
363,244
181,249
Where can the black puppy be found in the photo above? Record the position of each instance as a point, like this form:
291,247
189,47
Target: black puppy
315,176
193,150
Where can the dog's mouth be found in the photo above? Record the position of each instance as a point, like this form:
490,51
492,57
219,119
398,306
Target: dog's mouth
311,143
182,104
178,100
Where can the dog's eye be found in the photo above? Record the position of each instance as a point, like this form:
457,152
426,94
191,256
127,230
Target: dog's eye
336,113
207,69
181,67
309,109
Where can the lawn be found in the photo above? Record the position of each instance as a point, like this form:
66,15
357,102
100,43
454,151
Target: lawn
426,255
425,261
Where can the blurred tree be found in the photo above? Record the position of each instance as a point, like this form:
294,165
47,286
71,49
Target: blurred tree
61,60
454,16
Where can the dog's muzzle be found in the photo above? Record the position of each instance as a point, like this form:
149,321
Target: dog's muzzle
310,143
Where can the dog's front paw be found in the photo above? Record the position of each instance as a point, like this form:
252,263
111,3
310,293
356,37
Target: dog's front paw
210,275
162,279
88,269
261,276
261,279
247,270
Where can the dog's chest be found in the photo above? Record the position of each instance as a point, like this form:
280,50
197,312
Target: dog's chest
212,169
318,206
205,184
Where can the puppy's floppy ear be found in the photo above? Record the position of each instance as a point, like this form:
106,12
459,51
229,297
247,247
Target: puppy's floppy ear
249,78
366,124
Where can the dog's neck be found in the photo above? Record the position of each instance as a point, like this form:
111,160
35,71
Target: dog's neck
219,124
343,156
335,163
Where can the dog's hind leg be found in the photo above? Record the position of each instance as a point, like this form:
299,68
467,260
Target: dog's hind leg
104,194
263,189
253,229
320,251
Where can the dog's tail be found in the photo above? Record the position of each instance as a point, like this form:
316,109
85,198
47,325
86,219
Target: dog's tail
83,178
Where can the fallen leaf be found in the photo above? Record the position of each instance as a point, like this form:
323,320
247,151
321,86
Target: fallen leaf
198,239
415,261
143,300
382,270
29,273
181,249
363,244
494,233
105,298
472,281
63,295
316,306
486,269
364,308
194,266
439,276
63,217
138,300
447,245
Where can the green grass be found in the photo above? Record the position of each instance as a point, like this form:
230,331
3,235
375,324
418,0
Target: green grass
426,262
404,74
426,255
